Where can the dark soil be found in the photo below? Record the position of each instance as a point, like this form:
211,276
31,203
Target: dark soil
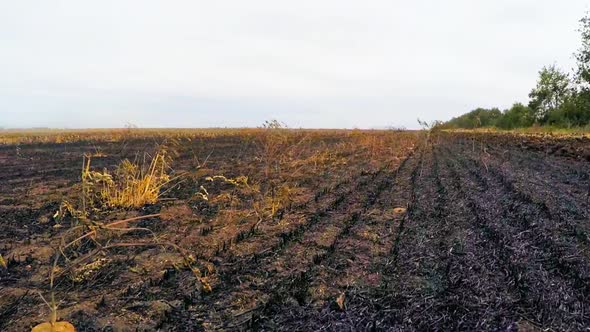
493,235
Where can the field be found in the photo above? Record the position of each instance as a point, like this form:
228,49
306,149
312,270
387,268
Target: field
275,229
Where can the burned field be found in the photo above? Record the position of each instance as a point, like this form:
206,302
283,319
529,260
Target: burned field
303,230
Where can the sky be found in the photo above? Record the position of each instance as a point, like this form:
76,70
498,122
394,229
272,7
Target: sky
307,63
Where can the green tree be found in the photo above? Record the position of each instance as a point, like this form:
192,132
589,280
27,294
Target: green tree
572,113
583,56
582,76
552,90
477,118
518,116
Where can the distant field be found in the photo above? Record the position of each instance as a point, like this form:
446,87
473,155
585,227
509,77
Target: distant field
557,132
274,229
30,136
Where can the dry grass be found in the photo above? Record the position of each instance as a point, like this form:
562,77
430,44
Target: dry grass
132,184
265,203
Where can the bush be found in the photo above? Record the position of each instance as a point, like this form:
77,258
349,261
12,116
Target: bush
518,116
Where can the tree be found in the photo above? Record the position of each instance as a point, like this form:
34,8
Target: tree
583,56
477,118
582,75
518,116
552,90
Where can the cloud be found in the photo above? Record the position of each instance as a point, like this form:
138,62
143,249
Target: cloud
312,63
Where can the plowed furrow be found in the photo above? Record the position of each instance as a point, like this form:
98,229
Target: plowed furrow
533,267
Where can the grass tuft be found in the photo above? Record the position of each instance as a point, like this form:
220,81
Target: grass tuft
131,185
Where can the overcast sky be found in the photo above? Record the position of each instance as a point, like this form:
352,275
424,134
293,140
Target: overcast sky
311,63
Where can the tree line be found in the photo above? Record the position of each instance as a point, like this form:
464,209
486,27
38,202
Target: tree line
559,99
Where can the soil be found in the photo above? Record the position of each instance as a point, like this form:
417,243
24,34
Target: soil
461,231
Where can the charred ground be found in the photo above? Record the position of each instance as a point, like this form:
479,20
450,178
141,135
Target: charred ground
493,236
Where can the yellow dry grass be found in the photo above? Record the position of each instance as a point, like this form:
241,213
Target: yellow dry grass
132,184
